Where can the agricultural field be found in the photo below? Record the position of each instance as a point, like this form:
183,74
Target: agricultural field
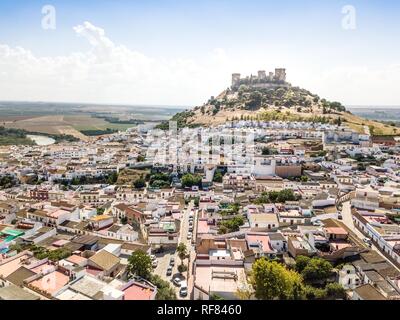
60,124
86,122
72,119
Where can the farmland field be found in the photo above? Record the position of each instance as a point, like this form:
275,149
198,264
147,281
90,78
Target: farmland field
69,124
71,119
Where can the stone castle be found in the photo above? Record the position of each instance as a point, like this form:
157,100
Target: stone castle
261,80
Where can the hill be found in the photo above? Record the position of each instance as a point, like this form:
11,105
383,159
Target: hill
284,103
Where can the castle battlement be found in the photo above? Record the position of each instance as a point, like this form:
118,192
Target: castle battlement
261,80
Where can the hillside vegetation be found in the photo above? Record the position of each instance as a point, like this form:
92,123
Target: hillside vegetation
268,104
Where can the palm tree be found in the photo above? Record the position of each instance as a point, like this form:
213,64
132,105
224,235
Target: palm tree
182,251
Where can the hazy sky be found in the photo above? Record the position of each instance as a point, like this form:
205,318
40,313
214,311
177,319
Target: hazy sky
182,52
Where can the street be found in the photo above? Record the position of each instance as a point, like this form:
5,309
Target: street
164,258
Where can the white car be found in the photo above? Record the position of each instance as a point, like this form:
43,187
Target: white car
189,236
177,281
183,292
154,264
153,257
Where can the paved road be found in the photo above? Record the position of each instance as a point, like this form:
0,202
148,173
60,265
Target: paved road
348,221
164,258
190,248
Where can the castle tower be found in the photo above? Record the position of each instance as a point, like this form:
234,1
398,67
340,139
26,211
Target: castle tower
262,75
235,80
271,76
280,74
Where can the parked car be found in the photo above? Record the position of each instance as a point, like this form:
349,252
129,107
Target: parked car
154,264
183,292
189,236
169,271
177,281
153,257
159,250
190,228
368,241
340,217
172,261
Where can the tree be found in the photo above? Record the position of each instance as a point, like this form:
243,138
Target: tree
182,268
112,178
303,178
254,101
276,196
139,183
218,177
272,280
231,225
164,289
159,180
312,293
244,292
189,180
335,291
265,151
139,264
317,269
182,251
301,263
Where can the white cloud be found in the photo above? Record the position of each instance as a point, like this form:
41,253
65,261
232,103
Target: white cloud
110,73
360,85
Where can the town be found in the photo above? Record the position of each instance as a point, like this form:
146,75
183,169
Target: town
202,213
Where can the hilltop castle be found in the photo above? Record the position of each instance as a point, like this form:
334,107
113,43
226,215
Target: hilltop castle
261,80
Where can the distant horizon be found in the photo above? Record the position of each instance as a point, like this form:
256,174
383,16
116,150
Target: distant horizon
99,104
379,106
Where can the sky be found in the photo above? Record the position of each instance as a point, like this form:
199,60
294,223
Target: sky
179,53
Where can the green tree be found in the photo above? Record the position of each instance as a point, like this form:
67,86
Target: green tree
265,151
231,225
189,180
303,178
335,291
301,263
182,252
272,280
139,183
112,178
312,293
164,289
317,269
159,180
182,268
139,264
218,177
